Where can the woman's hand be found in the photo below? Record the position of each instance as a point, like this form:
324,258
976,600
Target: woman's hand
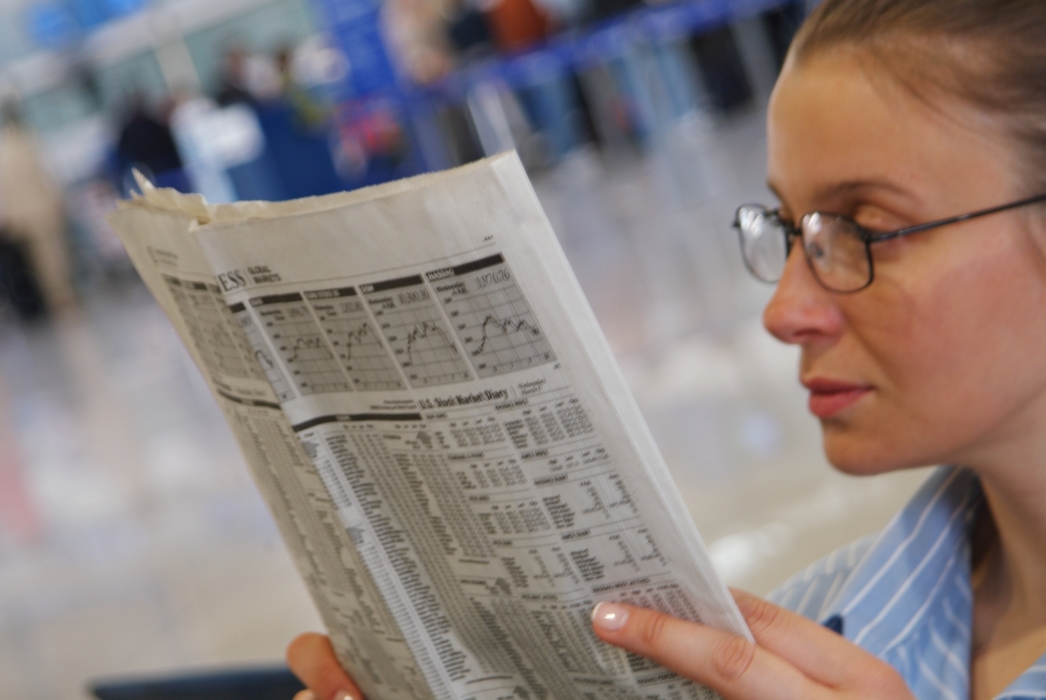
794,658
312,660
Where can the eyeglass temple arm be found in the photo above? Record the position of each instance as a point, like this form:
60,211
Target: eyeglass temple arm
955,219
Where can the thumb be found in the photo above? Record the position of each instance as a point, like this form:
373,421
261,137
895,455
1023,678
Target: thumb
311,658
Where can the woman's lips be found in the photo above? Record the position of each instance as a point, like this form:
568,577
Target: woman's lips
828,396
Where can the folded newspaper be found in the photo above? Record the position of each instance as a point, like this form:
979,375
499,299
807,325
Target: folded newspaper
437,423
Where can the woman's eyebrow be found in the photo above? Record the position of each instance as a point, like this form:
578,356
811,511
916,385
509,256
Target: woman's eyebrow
834,191
851,188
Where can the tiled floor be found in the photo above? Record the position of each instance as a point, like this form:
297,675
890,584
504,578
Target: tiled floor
131,538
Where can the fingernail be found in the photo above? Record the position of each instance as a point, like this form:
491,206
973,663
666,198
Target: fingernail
343,695
609,616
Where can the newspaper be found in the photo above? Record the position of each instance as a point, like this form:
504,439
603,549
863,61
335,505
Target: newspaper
431,412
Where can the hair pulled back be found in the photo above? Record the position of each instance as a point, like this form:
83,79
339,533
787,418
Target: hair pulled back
988,53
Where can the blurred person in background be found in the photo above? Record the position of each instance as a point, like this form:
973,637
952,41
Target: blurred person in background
469,30
247,78
146,143
32,212
599,10
907,148
198,133
232,84
310,113
418,34
249,88
516,24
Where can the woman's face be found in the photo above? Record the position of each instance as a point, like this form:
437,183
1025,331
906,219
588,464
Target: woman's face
943,358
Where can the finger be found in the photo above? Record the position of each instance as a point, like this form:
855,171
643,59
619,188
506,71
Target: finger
824,656
818,652
311,658
735,667
305,695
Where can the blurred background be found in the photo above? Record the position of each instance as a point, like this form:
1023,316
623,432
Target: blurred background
132,541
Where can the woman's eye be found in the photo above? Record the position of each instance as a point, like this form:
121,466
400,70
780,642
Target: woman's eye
875,219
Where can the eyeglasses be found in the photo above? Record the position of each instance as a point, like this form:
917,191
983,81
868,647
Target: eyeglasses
837,248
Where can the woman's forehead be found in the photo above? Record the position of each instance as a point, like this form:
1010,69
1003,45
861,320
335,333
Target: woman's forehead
835,131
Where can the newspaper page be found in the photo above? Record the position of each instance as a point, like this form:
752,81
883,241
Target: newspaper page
434,417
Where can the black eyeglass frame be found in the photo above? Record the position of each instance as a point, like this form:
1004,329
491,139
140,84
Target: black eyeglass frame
866,235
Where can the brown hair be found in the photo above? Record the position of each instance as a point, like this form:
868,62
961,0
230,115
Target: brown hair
989,53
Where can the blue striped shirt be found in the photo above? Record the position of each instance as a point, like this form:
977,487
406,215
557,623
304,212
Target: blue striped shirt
905,595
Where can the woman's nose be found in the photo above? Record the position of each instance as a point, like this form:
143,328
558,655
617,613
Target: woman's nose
801,310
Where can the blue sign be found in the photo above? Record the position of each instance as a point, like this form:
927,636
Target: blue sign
52,25
55,24
119,8
354,24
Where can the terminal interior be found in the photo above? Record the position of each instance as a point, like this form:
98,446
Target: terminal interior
132,540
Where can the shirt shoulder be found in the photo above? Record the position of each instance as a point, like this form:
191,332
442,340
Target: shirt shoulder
812,591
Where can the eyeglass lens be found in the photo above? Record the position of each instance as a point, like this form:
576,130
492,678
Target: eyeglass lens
833,246
837,252
764,244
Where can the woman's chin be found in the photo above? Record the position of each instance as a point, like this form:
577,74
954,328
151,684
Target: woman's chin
852,455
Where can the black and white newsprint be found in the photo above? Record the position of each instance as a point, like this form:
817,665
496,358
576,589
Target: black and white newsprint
437,423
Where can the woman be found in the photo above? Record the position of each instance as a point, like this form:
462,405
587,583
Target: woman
922,334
